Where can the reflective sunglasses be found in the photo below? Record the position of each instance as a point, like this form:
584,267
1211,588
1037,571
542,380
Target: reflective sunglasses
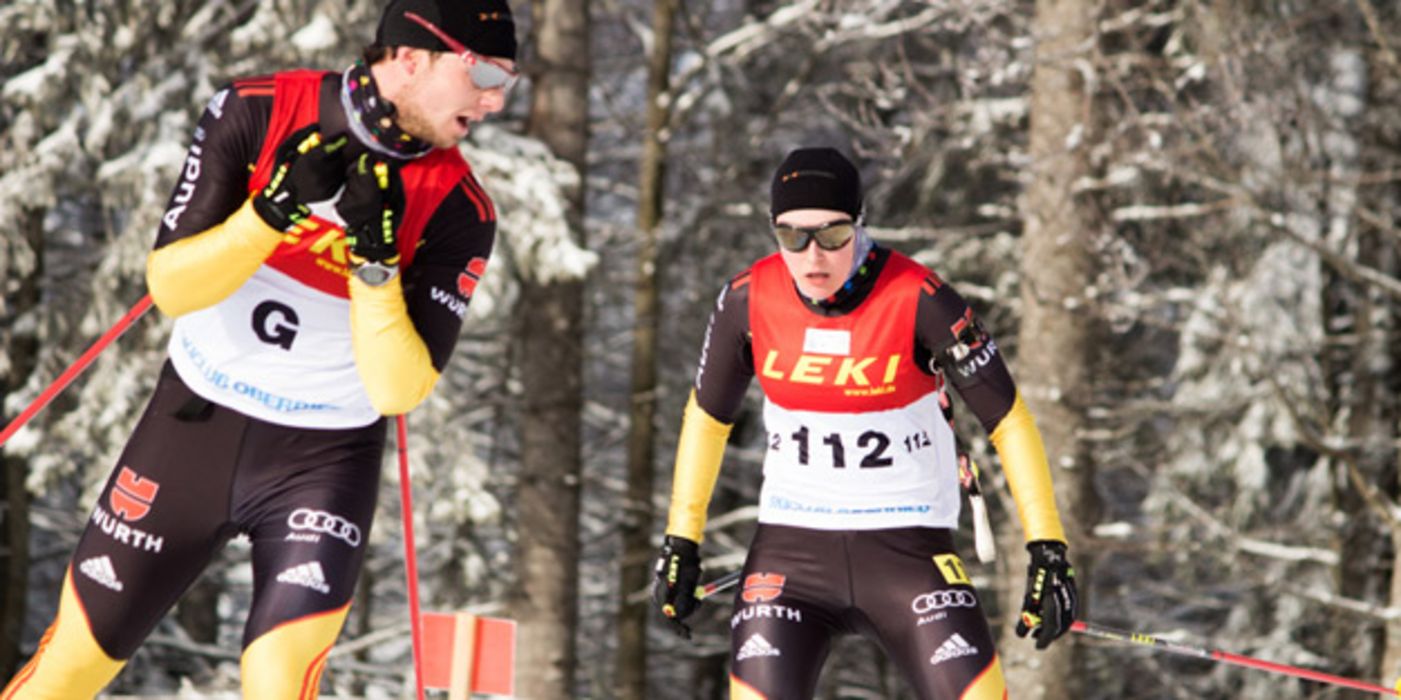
829,236
486,74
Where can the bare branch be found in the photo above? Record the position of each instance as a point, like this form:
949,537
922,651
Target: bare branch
1369,14
1339,263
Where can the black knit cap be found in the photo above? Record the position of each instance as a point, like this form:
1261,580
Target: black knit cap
816,178
484,26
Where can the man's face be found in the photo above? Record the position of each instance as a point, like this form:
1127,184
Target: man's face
440,102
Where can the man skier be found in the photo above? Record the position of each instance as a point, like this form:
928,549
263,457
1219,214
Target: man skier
318,255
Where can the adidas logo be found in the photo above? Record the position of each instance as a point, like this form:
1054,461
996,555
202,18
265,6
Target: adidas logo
309,575
100,570
952,648
756,645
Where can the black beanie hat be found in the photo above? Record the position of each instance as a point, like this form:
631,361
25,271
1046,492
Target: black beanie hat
484,26
816,178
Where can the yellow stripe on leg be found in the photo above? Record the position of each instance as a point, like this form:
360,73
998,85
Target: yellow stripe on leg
739,690
287,661
989,685
69,663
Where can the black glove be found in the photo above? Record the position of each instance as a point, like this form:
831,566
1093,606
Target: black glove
1049,606
677,573
372,205
308,168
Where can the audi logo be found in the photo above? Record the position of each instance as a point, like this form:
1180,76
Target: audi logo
938,600
326,524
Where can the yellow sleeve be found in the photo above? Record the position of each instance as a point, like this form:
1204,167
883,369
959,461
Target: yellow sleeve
699,452
1023,456
202,270
391,357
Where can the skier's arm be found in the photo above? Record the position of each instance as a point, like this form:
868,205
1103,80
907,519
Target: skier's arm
726,367
403,332
956,343
699,453
210,240
1018,445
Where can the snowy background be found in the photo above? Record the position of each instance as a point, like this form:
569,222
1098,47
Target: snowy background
1238,426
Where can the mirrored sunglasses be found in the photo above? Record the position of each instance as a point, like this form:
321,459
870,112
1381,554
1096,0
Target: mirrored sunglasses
489,75
829,236
486,74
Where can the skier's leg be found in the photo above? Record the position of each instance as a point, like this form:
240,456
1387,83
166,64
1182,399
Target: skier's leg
777,656
308,509
80,670
156,524
784,616
916,601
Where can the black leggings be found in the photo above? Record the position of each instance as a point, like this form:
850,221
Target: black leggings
903,588
195,474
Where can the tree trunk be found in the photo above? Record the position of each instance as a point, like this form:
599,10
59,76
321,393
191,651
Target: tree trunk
1377,151
1356,363
1053,366
638,517
21,286
549,357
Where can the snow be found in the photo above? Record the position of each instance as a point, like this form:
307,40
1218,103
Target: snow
39,84
986,114
317,35
1233,533
530,188
266,23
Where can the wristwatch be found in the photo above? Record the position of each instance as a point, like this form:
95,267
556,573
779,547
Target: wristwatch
374,274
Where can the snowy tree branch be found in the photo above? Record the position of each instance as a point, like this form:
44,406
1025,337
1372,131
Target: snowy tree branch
1338,263
1188,210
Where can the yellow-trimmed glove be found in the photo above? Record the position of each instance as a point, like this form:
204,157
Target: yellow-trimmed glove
308,167
1049,607
372,206
677,573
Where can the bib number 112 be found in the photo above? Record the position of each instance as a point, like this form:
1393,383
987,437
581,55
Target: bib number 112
873,443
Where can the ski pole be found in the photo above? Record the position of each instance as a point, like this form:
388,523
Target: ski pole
968,476
706,590
410,559
1093,630
76,368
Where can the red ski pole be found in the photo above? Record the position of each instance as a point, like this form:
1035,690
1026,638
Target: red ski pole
1094,630
76,368
410,559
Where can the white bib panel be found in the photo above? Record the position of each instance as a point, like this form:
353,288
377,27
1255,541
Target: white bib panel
860,471
277,350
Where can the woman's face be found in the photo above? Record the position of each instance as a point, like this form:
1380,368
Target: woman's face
818,273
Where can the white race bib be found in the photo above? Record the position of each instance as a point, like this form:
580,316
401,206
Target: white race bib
860,471
277,350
